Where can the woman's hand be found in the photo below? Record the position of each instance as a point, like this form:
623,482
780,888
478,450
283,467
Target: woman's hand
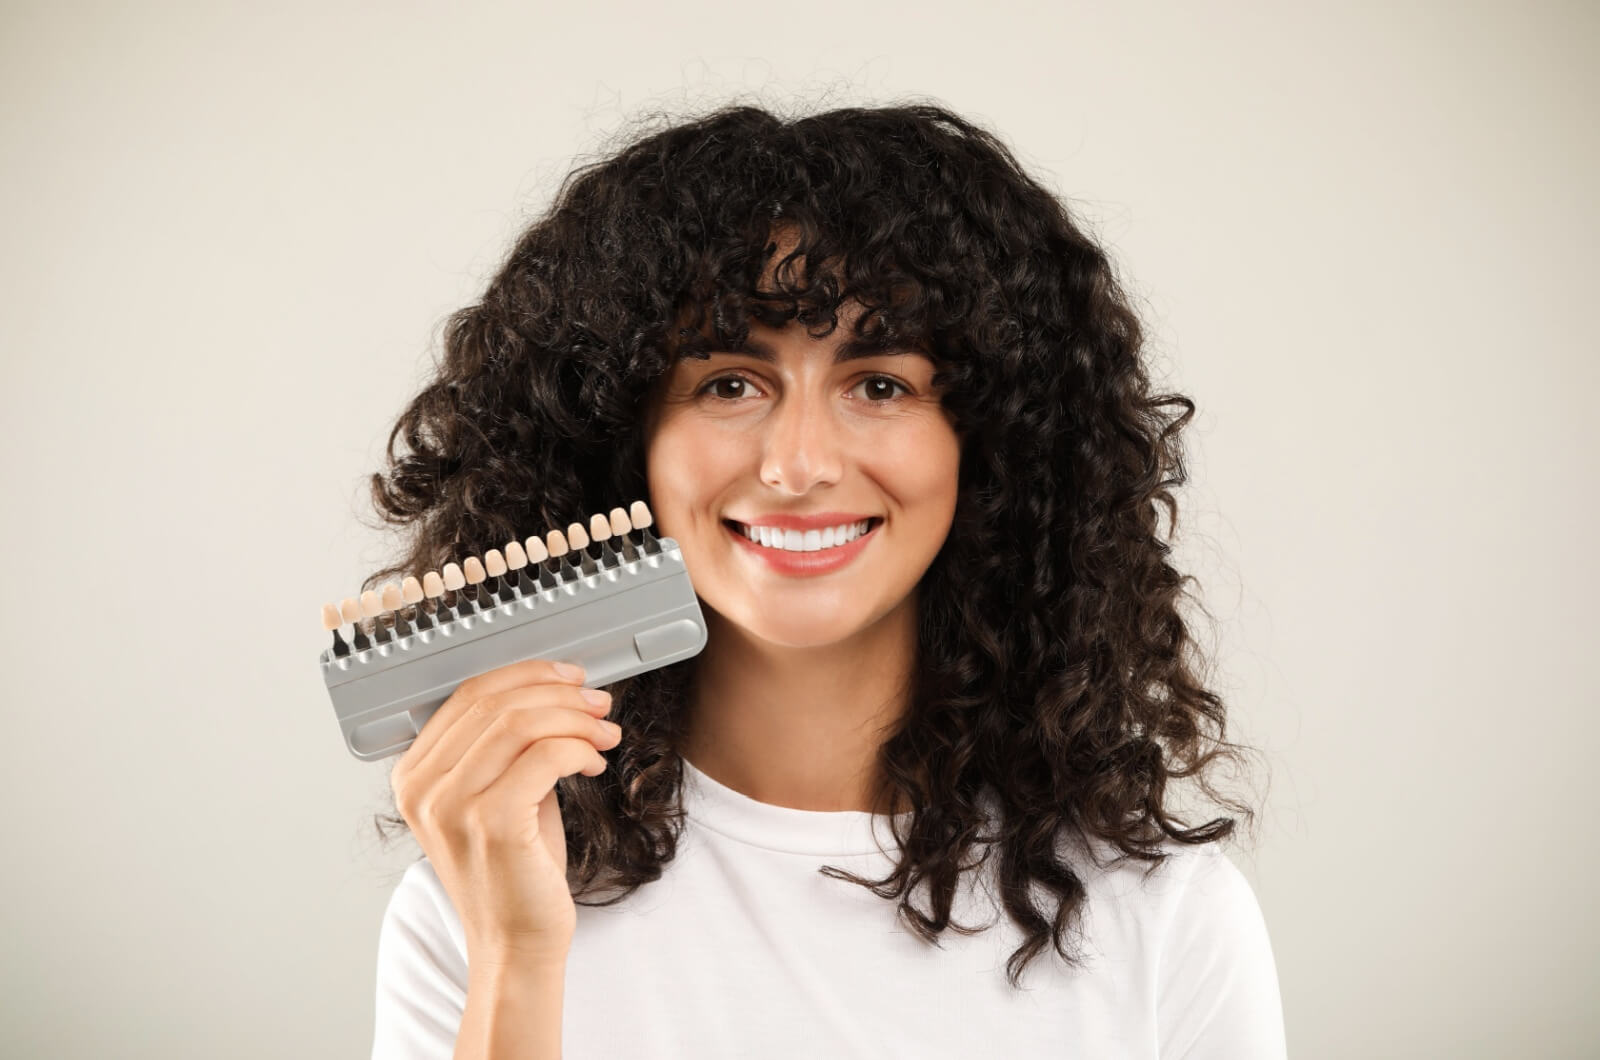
477,788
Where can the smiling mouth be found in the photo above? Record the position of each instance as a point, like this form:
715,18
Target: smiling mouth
872,523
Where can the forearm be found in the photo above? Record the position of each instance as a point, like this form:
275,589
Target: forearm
513,1012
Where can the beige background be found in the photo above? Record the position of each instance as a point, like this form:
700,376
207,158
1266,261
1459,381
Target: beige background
1363,238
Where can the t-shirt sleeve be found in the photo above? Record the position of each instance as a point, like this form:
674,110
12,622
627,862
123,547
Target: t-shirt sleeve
422,974
1217,981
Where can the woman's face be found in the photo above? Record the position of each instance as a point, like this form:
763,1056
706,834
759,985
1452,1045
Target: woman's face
761,442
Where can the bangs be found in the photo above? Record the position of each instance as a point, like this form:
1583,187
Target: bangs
772,283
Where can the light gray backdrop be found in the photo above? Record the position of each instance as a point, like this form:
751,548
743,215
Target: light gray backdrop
1363,238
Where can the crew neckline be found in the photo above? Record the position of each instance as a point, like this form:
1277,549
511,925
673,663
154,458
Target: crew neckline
832,833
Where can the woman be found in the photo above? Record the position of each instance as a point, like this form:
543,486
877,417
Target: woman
910,767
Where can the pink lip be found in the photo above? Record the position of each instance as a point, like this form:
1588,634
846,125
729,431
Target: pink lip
805,563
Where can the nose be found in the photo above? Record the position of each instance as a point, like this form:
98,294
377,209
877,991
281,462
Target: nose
802,447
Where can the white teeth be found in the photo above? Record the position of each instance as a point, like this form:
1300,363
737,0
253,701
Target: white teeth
805,540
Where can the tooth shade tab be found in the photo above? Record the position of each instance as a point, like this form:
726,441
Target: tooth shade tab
452,577
602,527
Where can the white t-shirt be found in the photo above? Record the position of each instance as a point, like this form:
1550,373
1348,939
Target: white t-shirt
742,949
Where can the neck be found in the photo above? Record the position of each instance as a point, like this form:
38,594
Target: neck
800,727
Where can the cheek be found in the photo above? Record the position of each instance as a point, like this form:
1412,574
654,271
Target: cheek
683,462
923,468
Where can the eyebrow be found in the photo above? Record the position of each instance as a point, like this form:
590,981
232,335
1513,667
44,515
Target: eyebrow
850,349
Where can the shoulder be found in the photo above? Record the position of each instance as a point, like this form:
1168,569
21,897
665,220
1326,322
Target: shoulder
1216,976
1191,878
422,970
1203,894
420,891
420,926
1203,883
1193,923
1195,898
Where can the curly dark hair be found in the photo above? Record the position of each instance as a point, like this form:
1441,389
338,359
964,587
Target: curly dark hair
1054,668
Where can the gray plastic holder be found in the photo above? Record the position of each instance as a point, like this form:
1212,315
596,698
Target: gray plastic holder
624,620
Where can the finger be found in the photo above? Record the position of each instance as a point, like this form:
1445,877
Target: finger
479,717
528,780
500,679
512,732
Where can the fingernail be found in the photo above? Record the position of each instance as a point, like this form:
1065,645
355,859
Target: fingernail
596,696
569,671
612,727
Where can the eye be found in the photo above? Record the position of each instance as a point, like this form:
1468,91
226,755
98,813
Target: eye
885,379
710,384
880,394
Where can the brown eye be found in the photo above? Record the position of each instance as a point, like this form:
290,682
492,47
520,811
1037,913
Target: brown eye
724,379
886,392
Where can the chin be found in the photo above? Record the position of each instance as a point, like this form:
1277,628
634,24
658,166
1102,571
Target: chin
800,640
812,631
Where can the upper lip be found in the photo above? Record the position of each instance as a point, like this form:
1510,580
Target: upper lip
820,521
